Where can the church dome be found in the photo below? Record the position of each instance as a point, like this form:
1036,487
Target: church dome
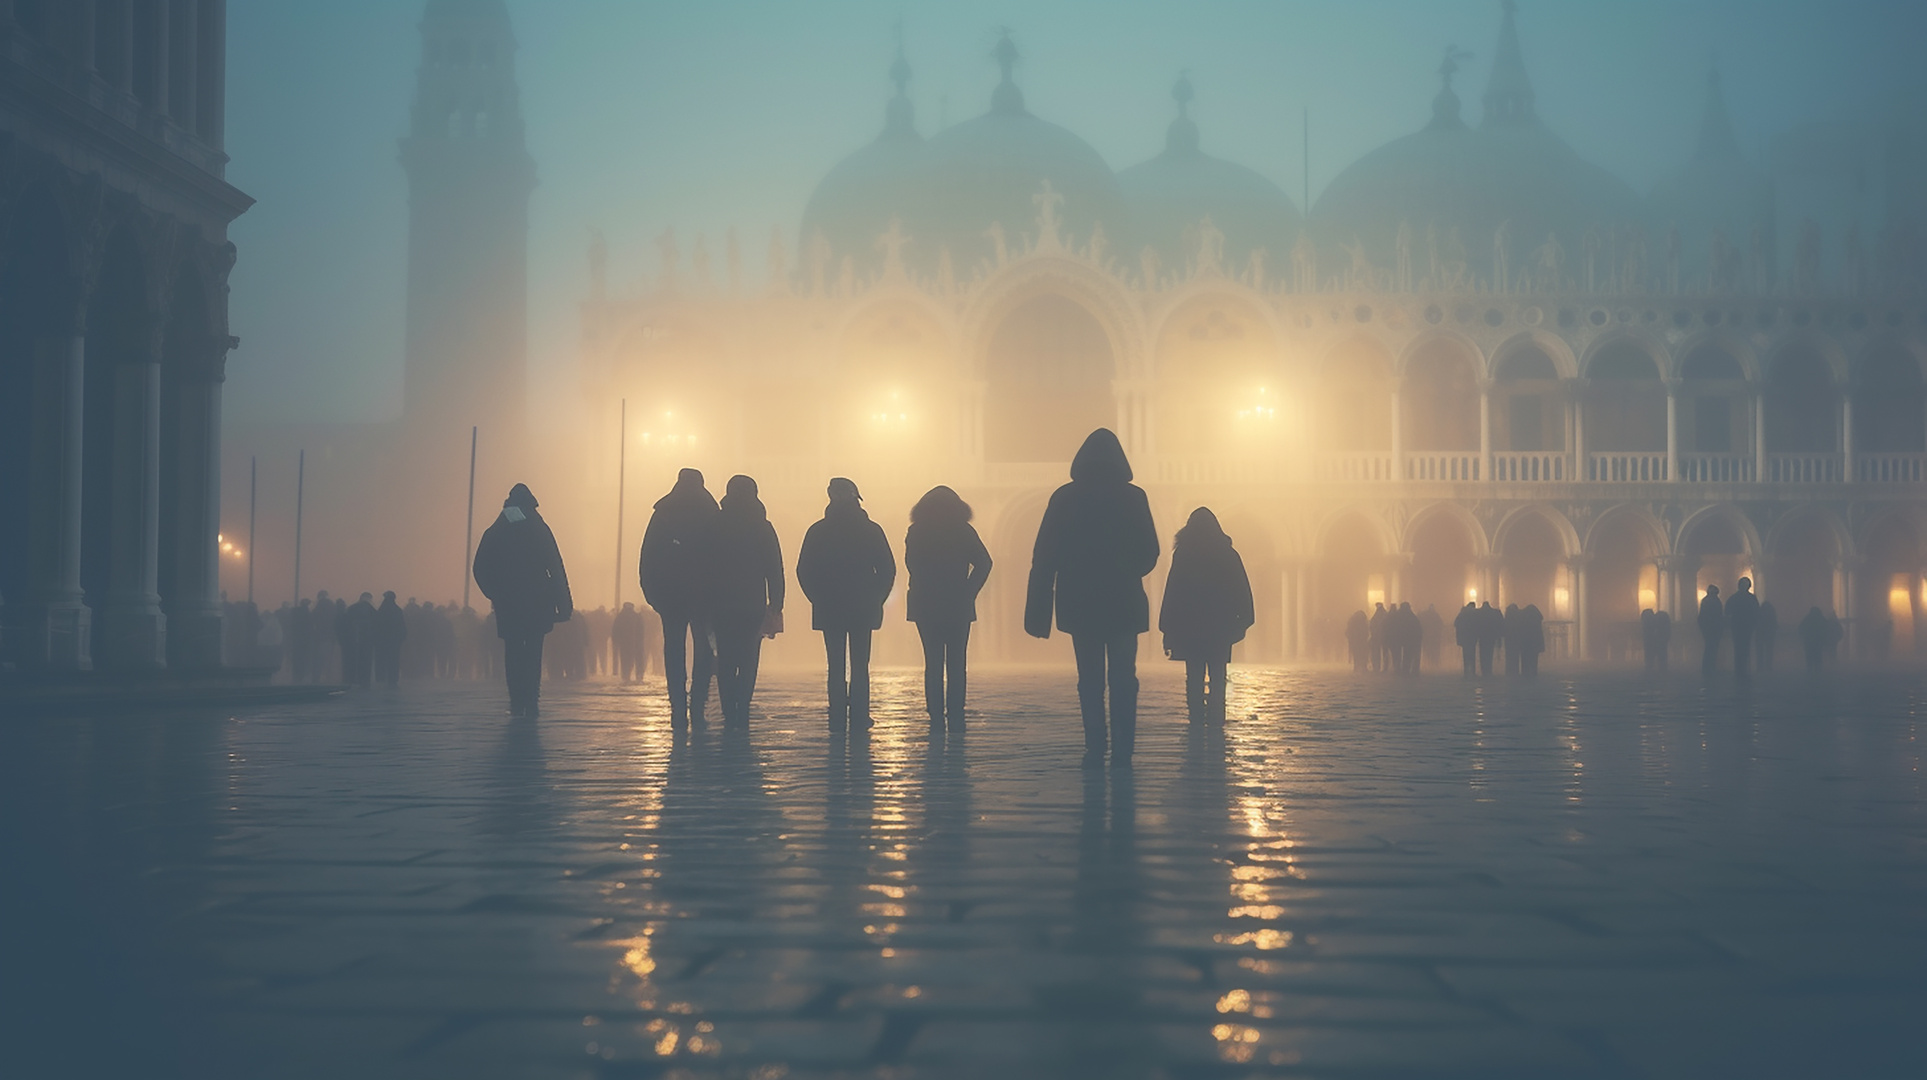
989,171
856,201
1720,205
1500,200
1171,196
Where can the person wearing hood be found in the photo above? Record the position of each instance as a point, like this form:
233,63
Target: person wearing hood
1742,614
745,594
1814,637
1712,623
391,630
1096,543
948,565
519,568
356,629
1358,636
1465,631
1206,610
846,570
674,574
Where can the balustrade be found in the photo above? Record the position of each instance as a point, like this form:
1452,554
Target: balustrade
1529,466
1626,466
1249,469
1360,466
1716,468
1803,468
1449,465
1889,468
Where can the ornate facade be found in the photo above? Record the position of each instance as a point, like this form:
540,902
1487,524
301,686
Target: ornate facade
114,261
1480,367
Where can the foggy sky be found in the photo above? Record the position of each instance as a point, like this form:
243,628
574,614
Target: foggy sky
647,115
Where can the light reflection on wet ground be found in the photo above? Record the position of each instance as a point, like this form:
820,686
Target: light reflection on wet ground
1573,877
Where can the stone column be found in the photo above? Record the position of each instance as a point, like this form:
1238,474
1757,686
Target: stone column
1581,619
158,49
194,610
1849,609
1759,436
1485,429
57,630
1579,462
215,84
1672,429
133,630
1846,437
1490,568
184,36
1398,430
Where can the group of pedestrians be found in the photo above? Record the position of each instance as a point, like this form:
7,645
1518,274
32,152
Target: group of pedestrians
1753,627
1481,631
1392,640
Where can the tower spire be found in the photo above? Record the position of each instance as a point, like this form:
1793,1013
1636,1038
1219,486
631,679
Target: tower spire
1007,100
1508,92
900,117
1716,124
1182,136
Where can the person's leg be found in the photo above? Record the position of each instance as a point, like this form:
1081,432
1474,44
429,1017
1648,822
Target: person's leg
956,653
860,677
726,667
675,661
835,650
1194,689
702,668
1121,659
934,639
752,657
1089,650
1216,676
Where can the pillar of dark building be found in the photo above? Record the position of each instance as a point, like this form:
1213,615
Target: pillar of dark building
133,631
155,47
193,605
211,61
56,630
183,43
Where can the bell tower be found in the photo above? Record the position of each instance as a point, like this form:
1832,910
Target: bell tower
469,180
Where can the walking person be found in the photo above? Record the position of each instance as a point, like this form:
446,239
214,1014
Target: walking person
674,573
519,568
1742,615
356,631
1206,610
390,632
1814,637
1712,623
1358,637
1532,639
846,570
948,566
626,634
1491,632
1465,632
746,593
1096,543
1377,627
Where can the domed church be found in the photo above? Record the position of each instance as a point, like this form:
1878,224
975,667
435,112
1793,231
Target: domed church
1481,367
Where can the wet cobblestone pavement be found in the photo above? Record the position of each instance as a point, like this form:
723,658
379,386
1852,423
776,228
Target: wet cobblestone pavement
1588,876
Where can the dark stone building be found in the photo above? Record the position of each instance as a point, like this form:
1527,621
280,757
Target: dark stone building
114,260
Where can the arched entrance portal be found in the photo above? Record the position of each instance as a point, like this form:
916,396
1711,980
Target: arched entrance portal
1353,575
1806,553
1715,552
1622,580
1048,381
1444,571
1888,604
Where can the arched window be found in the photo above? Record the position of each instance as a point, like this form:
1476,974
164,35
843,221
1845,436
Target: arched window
1625,403
1887,403
1523,412
1711,421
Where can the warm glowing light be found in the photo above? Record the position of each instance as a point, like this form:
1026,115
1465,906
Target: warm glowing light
1471,595
1374,590
1648,599
891,412
1561,600
1261,408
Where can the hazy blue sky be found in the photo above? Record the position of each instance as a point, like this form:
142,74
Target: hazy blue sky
644,115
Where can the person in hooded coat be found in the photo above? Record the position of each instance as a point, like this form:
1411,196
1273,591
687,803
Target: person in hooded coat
519,568
1465,632
745,596
1712,623
391,630
356,630
1532,638
1206,610
846,570
1512,635
1814,637
1742,614
626,634
1358,637
674,573
1096,543
1491,633
948,566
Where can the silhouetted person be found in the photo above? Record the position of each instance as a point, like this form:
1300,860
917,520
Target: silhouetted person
1491,632
1431,634
675,574
846,570
1742,617
1766,635
1532,638
356,631
626,634
1358,639
1095,545
1712,623
1649,638
1206,610
1377,626
1465,633
1512,631
948,566
746,593
1814,638
519,568
1411,633
390,631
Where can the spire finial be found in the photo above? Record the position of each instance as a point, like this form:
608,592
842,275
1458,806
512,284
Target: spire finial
1007,100
1182,136
1182,93
1508,93
1445,106
900,120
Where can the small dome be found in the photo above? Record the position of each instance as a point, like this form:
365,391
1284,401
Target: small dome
988,171
1718,192
1463,195
1171,196
855,202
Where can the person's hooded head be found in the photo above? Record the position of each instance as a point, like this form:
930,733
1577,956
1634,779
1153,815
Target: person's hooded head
688,491
941,505
1746,584
739,497
520,505
389,597
367,598
1712,590
1201,531
1101,460
844,496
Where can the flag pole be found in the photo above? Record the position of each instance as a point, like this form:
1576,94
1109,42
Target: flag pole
622,489
468,544
300,494
251,490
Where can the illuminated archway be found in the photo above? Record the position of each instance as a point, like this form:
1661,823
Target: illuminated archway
1622,579
1716,547
1887,603
1805,553
894,395
1217,362
1445,551
1354,573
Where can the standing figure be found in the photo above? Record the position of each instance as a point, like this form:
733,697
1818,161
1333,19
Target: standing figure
1512,633
626,634
1814,638
519,568
1096,543
1206,610
746,593
356,629
1742,616
1491,632
1766,635
948,565
1377,627
1532,639
674,570
1465,632
391,630
1358,639
1712,622
846,570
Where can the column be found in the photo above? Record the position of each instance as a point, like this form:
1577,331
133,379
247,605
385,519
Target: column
1759,435
1581,468
1301,610
1846,437
1581,622
184,37
1489,571
1672,429
83,28
1398,430
1849,610
1485,429
133,630
57,631
194,610
213,62
158,48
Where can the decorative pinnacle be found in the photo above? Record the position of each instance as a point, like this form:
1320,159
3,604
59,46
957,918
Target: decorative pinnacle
1005,52
1450,66
1182,93
900,70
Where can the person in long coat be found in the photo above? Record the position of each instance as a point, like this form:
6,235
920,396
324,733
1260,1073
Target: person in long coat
1465,632
1512,635
627,635
1358,637
1532,638
846,570
391,630
1712,623
674,573
356,631
1491,633
745,596
1206,610
1742,614
948,566
1814,638
1096,543
519,568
